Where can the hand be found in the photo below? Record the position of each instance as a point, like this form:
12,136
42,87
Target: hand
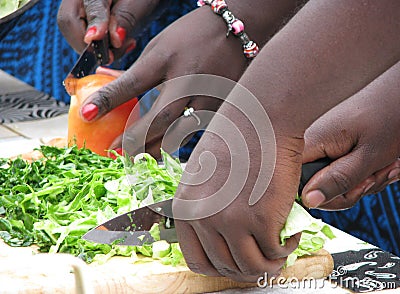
361,134
222,234
165,58
82,21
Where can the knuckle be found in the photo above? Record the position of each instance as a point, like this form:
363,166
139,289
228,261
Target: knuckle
227,272
164,115
126,17
103,99
252,271
201,268
341,180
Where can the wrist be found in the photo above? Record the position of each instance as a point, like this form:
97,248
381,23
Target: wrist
262,18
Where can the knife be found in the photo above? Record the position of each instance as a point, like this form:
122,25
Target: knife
133,228
96,53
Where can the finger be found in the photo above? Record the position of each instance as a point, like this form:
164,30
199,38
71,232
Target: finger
195,257
385,176
319,143
349,199
338,178
98,17
143,75
181,131
125,15
72,24
149,130
109,71
217,252
127,47
372,185
249,258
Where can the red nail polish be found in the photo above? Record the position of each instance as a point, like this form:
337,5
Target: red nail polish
121,32
90,32
90,111
119,151
130,47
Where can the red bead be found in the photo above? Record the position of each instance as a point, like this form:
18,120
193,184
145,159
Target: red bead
218,5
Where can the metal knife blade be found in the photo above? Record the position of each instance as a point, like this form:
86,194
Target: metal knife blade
132,228
95,54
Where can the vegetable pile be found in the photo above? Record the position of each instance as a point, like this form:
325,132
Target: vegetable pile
9,6
52,202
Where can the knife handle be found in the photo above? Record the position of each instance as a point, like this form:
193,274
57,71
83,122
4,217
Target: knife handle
309,169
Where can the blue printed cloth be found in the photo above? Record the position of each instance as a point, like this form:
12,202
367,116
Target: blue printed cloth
375,219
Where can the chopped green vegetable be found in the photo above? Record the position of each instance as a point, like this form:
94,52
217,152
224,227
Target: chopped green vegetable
161,249
314,232
53,202
9,6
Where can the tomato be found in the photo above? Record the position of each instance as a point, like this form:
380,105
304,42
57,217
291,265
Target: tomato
97,135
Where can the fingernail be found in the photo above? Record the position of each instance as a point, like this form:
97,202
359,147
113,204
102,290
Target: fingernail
394,180
130,47
394,173
119,151
90,32
90,111
121,32
369,186
315,198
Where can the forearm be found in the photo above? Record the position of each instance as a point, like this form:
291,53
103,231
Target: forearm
326,53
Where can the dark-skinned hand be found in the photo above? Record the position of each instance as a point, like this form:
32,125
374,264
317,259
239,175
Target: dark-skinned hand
362,135
82,21
194,44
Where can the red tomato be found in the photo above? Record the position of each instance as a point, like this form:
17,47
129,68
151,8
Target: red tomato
97,135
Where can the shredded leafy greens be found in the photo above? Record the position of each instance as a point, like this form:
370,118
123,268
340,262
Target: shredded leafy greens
54,201
9,6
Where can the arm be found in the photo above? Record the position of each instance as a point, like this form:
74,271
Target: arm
194,44
326,53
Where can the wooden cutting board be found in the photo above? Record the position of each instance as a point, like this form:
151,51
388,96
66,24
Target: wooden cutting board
22,271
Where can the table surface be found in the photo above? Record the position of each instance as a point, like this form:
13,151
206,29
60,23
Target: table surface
20,137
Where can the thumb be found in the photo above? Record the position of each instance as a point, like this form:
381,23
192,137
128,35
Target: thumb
336,179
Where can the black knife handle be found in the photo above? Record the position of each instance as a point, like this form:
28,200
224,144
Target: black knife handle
309,169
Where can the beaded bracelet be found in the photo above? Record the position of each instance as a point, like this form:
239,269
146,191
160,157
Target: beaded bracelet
235,25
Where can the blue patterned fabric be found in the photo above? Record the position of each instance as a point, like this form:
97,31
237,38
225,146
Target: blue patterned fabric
35,51
375,219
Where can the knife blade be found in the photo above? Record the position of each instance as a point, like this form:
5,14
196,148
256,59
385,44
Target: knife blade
94,55
133,228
